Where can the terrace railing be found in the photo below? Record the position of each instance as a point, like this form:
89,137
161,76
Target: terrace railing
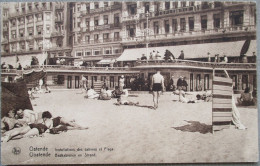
67,67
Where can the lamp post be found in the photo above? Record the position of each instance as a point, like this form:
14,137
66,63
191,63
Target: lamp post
146,34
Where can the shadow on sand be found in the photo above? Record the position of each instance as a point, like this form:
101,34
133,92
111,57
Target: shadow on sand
195,126
145,106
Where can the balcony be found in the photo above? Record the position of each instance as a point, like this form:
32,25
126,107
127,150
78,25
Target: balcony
85,29
5,29
57,34
59,6
102,27
196,33
59,20
105,9
4,41
131,17
27,12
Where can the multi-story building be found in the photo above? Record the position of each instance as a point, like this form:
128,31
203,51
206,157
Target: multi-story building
187,22
96,30
101,31
34,29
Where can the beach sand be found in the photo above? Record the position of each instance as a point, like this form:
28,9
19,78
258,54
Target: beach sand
174,133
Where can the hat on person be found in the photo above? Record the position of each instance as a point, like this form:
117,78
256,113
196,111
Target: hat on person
181,76
122,76
181,50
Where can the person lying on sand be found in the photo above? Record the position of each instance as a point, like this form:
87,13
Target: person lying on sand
10,122
125,102
30,130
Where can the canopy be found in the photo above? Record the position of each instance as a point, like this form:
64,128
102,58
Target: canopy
252,48
230,49
106,61
14,96
9,60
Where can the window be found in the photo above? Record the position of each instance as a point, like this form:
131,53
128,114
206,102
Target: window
204,22
88,53
44,5
183,4
167,5
21,32
205,5
31,44
30,8
36,6
79,54
117,51
96,5
191,23
132,9
206,82
244,82
13,34
96,36
96,52
13,22
191,3
191,82
106,37
131,30
116,20
60,80
88,8
174,25
198,83
234,80
156,27
146,7
23,10
30,31
87,24
217,4
48,29
78,24
21,20
116,35
69,82
107,50
30,18
175,4
236,18
216,20
48,16
105,4
39,30
22,45
87,39
78,8
76,82
112,81
183,24
105,17
96,21
167,26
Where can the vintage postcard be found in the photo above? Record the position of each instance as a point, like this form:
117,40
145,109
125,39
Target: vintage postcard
118,82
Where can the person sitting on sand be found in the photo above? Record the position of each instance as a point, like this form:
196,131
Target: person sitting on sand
246,98
125,92
47,89
30,130
121,101
30,92
116,93
91,93
104,95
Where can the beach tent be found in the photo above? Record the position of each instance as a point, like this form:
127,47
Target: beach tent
14,96
32,77
222,103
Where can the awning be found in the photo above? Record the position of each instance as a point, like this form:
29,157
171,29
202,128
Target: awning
9,60
230,49
26,60
252,48
106,61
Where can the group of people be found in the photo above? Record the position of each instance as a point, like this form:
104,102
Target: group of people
27,123
168,56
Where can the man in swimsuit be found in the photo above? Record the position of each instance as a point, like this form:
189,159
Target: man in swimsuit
71,125
157,86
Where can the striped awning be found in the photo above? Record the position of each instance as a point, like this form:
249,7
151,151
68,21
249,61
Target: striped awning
230,49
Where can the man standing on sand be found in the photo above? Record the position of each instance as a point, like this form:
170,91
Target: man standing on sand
157,86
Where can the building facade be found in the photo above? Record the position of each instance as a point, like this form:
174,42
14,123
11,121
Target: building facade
34,29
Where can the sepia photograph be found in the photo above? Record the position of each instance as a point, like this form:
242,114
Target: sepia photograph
129,82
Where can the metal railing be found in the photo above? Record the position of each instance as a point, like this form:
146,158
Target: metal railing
179,34
178,62
66,67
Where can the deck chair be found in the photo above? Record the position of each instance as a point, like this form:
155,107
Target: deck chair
222,102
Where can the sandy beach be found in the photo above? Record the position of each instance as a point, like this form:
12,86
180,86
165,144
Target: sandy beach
130,134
